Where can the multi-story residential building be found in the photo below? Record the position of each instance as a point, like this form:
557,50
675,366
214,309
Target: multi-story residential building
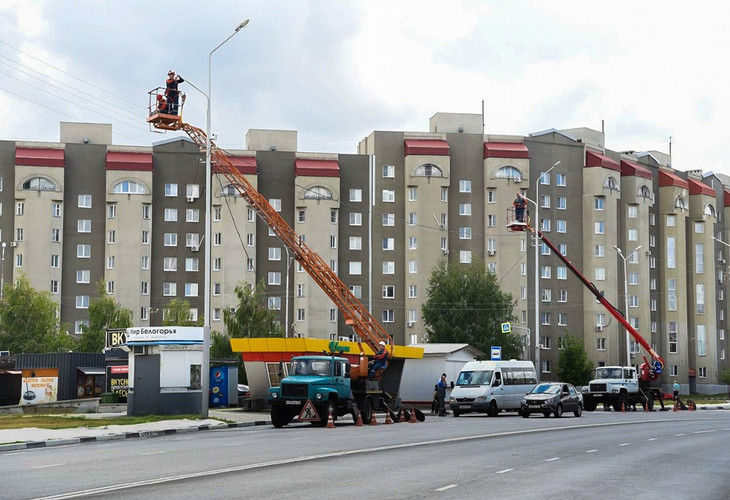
651,238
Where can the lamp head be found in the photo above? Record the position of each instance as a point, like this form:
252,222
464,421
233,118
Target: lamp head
243,25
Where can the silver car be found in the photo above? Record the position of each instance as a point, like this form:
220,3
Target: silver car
552,398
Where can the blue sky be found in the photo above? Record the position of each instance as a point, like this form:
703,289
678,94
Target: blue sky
335,70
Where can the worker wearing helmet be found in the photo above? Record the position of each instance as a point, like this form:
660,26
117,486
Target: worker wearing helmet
520,203
171,91
381,360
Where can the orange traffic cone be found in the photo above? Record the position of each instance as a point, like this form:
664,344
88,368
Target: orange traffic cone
388,420
413,417
373,420
358,422
330,421
402,416
623,407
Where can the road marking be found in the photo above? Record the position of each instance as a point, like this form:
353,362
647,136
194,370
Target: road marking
503,471
46,466
153,453
624,444
552,459
652,439
677,435
591,451
703,432
444,488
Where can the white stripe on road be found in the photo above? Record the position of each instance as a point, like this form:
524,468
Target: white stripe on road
153,453
591,451
652,439
552,459
677,435
46,466
444,488
503,471
624,444
702,432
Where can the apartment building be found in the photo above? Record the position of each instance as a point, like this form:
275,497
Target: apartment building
652,239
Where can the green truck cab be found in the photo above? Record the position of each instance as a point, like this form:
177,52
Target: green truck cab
328,383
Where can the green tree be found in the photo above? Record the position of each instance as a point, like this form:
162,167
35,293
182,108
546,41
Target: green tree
104,312
466,305
724,377
28,321
252,318
573,364
177,313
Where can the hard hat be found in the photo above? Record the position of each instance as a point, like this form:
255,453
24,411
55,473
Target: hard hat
381,343
171,72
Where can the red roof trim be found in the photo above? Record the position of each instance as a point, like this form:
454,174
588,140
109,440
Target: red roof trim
316,168
594,159
667,178
37,157
696,187
117,160
429,147
726,201
244,164
505,150
631,168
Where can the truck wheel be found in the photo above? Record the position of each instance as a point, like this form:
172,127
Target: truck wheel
280,416
650,402
367,411
492,410
578,411
324,415
559,410
590,405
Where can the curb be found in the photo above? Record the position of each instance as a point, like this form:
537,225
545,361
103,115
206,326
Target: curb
51,443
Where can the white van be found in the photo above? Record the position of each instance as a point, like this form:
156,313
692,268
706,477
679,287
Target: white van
492,386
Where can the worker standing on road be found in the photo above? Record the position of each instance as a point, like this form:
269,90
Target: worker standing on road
171,91
381,360
675,390
520,203
441,394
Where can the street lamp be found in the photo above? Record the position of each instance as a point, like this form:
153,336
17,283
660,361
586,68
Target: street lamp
205,375
626,298
537,267
2,270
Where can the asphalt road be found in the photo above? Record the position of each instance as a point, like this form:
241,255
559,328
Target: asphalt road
600,455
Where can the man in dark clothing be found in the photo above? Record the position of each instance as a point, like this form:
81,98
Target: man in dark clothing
381,360
520,203
171,91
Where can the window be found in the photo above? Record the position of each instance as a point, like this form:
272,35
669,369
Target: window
355,268
702,372
110,287
84,201
699,227
561,272
274,303
170,239
111,236
546,295
634,279
355,242
464,186
699,258
55,209
333,216
444,195
249,264
301,315
465,209
545,201
79,325
599,227
275,204
464,233
146,212
545,318
192,191
145,262
301,216
169,264
563,296
671,220
633,301
217,239
611,183
274,278
356,291
546,366
274,253
632,211
544,249
129,187
388,291
600,274
560,180
19,234
192,215
388,220
83,251
412,194
300,290
249,239
54,287
388,243
216,289
388,196
600,250
355,219
356,195
144,288
55,261
672,330
465,257
388,267
145,237
388,316
82,302
561,226
633,235
601,344
412,292
250,215
192,265
491,221
413,266
428,170
83,276
169,289
701,341
171,215
672,294
111,211
388,171
545,225
545,178
491,196
412,243
19,260
545,272
700,297
599,203
191,289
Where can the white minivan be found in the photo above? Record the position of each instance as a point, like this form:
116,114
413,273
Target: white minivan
492,386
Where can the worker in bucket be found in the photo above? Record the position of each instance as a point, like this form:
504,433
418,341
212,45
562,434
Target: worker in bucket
381,360
520,203
171,91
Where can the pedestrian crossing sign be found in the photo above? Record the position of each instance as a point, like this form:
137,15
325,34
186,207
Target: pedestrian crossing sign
507,327
309,413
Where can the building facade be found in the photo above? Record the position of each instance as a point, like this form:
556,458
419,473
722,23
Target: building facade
652,239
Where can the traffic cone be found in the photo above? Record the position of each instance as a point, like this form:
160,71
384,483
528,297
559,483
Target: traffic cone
413,417
402,416
373,420
623,407
358,422
330,421
388,420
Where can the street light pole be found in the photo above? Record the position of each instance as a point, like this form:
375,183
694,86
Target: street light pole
205,369
289,260
626,298
2,270
536,225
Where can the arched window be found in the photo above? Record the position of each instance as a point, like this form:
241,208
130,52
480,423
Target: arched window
129,187
229,190
709,210
318,193
508,172
680,203
39,184
611,183
428,170
644,192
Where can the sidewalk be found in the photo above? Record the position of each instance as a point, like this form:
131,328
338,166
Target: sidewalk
33,437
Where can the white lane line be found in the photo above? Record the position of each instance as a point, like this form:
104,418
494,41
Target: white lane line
233,444
503,471
153,453
624,444
552,459
677,435
703,432
444,488
591,451
47,466
652,439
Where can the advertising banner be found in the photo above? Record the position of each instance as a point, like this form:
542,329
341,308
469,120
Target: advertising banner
165,334
39,390
118,381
